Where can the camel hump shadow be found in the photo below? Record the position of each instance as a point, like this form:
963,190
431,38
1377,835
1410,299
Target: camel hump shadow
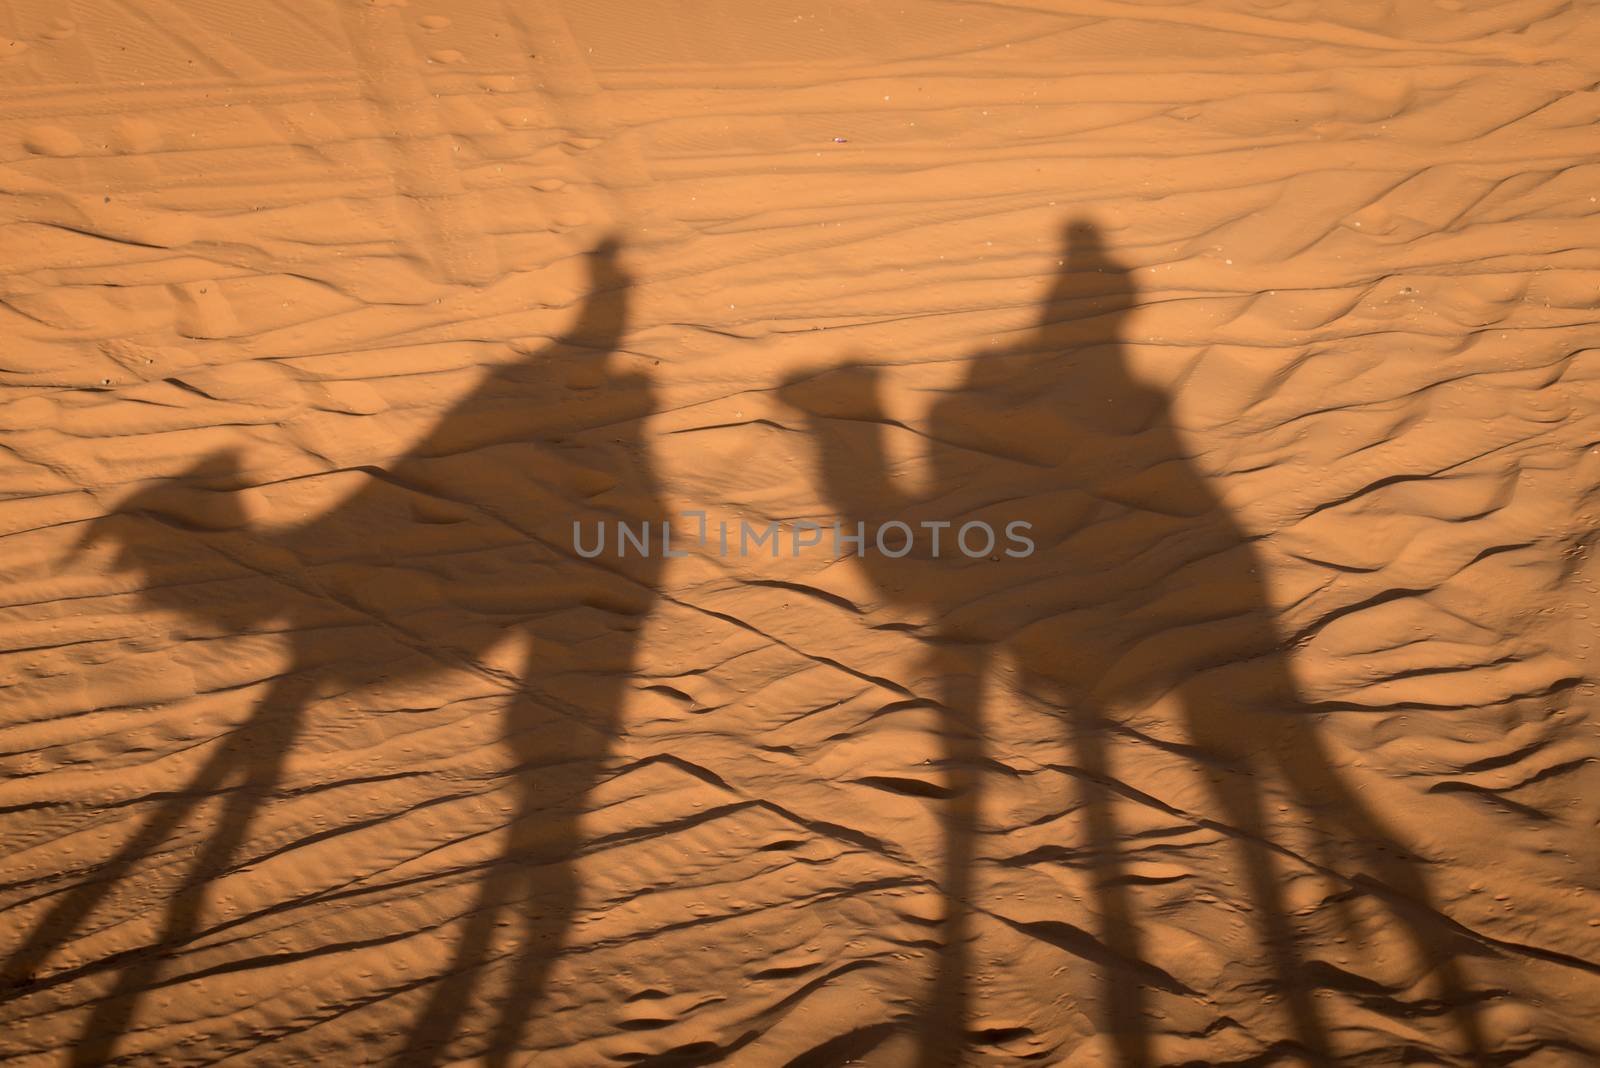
428,561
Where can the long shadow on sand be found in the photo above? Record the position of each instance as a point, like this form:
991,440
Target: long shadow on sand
482,510
1142,585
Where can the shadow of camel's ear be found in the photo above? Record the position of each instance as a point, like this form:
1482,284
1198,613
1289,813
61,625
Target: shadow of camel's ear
846,391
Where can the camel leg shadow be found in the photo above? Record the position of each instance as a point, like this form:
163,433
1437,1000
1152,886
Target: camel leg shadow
1397,878
942,1031
1276,721
255,755
559,760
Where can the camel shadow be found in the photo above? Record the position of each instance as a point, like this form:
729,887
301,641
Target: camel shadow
442,554
1141,586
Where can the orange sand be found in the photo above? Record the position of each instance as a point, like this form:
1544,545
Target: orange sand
322,323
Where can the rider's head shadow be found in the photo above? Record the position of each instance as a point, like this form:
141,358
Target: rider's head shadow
1074,355
1091,283
586,355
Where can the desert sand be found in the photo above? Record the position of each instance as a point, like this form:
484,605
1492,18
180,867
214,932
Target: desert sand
332,334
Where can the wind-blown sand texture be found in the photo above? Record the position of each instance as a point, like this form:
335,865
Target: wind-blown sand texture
321,323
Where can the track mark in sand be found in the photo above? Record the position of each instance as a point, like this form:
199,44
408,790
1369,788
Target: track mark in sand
1322,32
217,52
449,218
564,74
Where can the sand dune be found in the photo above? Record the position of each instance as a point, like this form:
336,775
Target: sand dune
325,742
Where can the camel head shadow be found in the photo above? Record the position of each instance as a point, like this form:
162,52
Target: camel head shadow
159,529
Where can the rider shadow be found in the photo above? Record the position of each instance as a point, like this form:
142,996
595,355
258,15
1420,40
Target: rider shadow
1141,586
437,557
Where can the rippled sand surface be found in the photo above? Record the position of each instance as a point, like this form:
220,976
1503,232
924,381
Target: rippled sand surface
322,324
